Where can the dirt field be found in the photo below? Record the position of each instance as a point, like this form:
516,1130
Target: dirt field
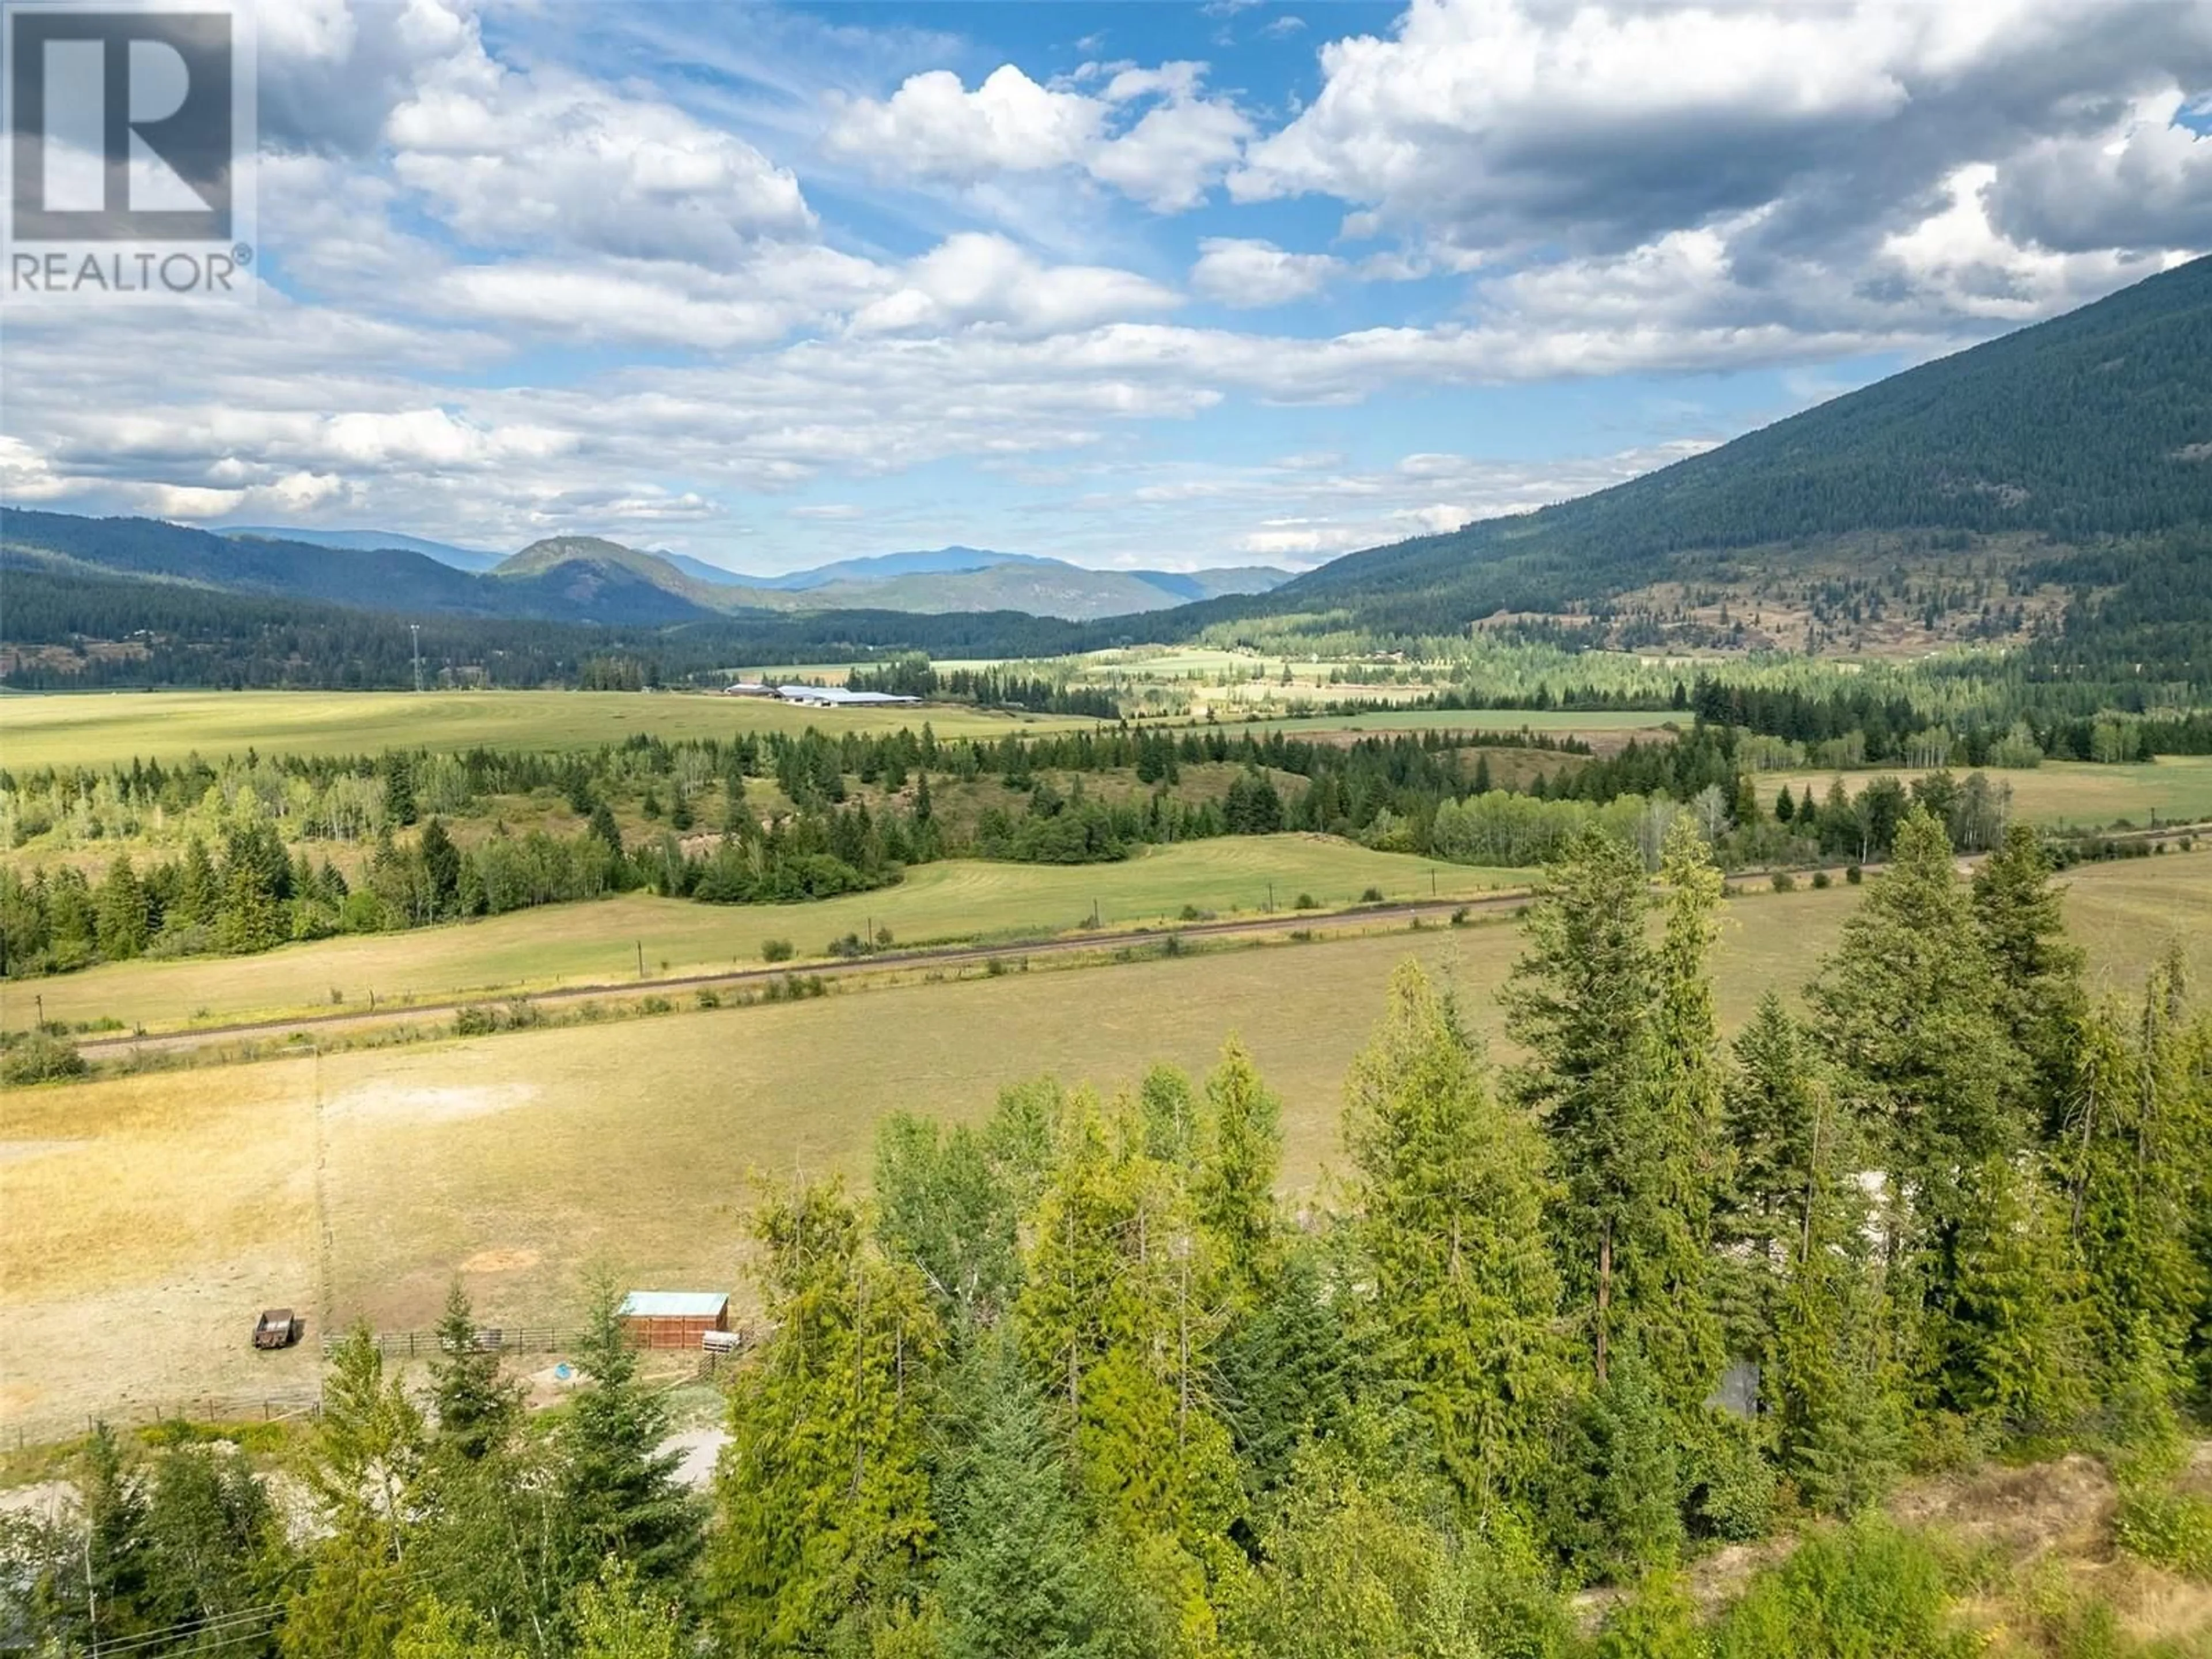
143,1221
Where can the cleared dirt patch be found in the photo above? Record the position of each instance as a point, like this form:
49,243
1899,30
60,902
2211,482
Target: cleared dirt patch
14,1152
417,1104
500,1262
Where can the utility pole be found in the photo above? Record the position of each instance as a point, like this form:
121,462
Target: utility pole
415,632
91,1595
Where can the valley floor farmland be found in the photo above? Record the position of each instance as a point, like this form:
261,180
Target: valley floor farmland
103,729
149,1218
1593,723
599,941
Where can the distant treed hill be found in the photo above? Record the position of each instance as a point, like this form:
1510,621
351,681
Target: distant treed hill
2149,620
149,548
2096,424
461,558
80,630
382,579
589,578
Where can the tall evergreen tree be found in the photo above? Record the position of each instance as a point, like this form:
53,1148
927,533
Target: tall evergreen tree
1676,1105
476,1410
2011,1338
396,769
1904,1010
123,921
1795,1225
1287,1369
1019,1578
1240,1156
825,1492
2134,1152
1450,1202
1775,1107
199,889
1118,1323
441,867
2038,995
1578,1002
619,1494
364,1469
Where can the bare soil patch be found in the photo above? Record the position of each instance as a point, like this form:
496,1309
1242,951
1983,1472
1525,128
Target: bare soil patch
500,1262
417,1104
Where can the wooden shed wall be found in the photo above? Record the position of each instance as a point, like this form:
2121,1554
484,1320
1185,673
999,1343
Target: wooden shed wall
660,1331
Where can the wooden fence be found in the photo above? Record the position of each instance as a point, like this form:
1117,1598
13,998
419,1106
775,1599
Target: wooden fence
492,1339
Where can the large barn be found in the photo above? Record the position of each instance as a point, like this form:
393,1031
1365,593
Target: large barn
674,1319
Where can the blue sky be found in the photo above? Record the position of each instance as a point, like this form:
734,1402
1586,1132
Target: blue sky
1136,284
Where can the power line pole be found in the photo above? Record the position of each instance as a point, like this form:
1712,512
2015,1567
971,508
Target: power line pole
415,631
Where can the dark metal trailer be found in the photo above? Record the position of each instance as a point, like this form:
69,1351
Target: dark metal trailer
276,1329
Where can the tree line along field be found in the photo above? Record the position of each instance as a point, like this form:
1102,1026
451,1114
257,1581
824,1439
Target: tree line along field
2079,794
173,1205
117,727
600,941
1594,724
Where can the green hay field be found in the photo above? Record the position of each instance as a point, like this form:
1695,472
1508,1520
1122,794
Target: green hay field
597,942
149,1218
102,730
2176,789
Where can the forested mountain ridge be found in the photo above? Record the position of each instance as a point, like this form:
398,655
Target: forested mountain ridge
388,579
2095,424
590,578
608,581
148,547
461,558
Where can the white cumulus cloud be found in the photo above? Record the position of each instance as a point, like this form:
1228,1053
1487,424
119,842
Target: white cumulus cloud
1152,134
1244,272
